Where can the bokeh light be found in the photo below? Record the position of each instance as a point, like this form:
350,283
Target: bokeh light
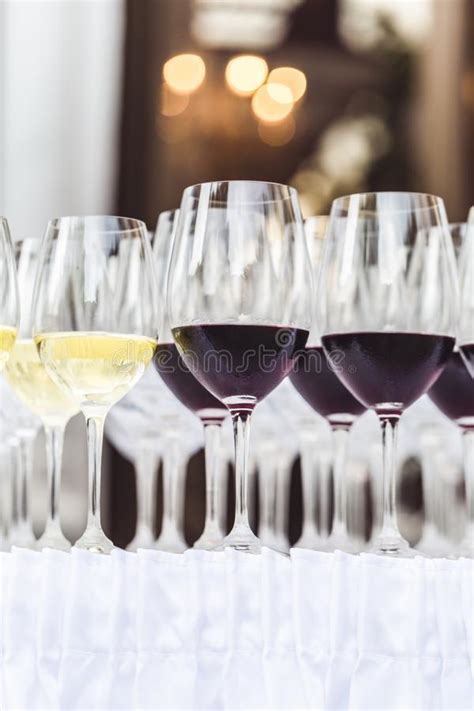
272,102
277,134
293,78
172,104
184,73
244,74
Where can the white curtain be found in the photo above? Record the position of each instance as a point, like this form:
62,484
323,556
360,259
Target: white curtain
60,90
233,631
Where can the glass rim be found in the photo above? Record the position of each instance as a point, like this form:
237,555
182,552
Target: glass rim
457,225
140,226
167,213
342,202
292,192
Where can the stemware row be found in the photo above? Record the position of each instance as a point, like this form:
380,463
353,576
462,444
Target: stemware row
232,294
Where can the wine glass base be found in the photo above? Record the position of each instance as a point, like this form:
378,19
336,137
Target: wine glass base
335,543
95,541
23,537
144,540
209,540
465,549
241,539
53,538
395,547
171,544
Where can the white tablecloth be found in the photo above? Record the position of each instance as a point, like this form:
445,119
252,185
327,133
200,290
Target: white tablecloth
224,631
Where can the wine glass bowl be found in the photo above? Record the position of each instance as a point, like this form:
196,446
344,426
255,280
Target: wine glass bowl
387,307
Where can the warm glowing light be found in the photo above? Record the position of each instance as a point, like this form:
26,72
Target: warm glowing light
272,102
244,74
172,104
277,134
293,78
184,73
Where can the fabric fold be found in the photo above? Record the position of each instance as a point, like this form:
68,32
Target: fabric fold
202,630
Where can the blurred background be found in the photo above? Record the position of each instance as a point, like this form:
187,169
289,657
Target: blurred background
115,106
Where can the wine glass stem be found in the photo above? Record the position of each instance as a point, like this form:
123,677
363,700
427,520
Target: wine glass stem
309,481
95,439
173,481
26,445
468,446
146,467
54,435
341,436
389,444
212,440
324,477
282,498
241,422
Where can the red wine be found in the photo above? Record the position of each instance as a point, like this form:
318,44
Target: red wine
184,385
388,367
453,392
237,360
314,378
468,354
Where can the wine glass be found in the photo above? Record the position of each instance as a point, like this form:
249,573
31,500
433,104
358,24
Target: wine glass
314,378
9,299
43,397
187,389
239,301
95,325
466,283
453,392
387,305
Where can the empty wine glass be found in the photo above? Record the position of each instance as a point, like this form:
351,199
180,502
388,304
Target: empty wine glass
9,300
239,301
387,307
314,378
95,325
187,389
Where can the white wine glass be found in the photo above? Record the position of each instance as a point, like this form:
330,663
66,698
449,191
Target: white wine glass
95,325
9,298
43,397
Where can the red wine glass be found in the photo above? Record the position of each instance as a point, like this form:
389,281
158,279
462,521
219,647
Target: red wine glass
315,379
387,304
453,392
466,283
239,301
189,391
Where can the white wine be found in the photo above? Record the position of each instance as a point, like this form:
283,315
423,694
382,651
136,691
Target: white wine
7,341
97,368
29,379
